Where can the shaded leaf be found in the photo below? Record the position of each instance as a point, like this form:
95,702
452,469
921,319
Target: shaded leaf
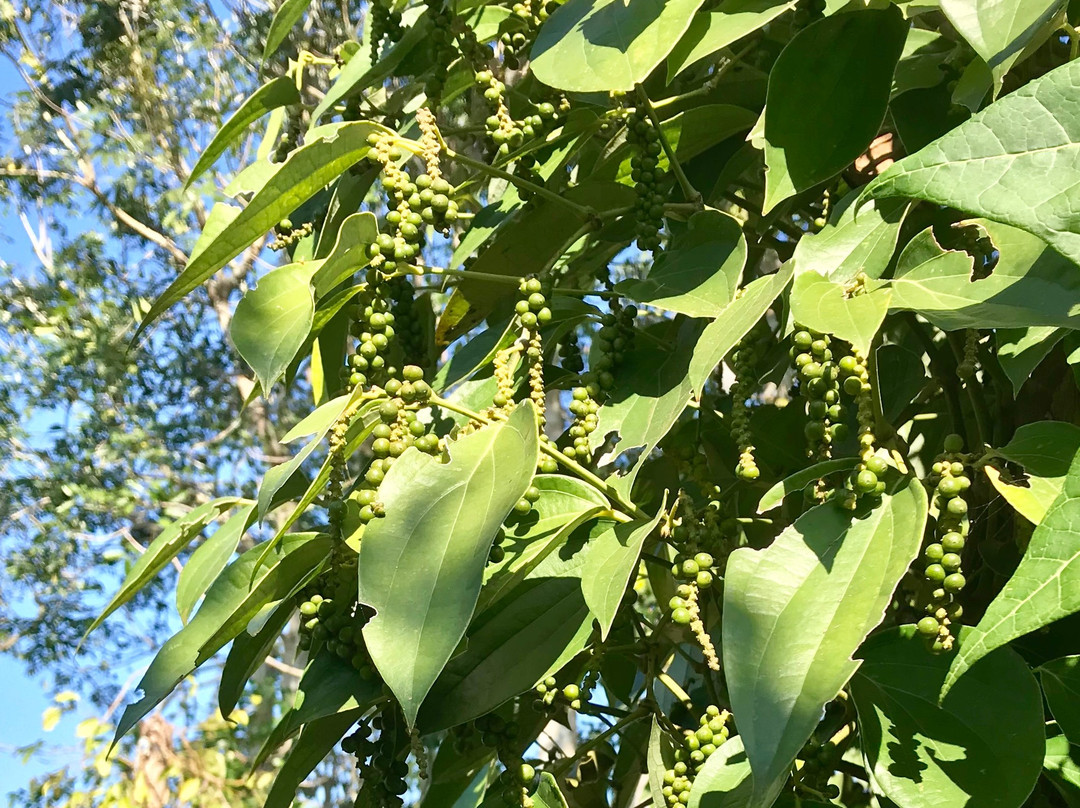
316,741
1044,588
348,254
547,793
1045,449
249,651
421,568
1062,768
659,758
725,781
712,31
600,45
923,755
1020,350
1014,162
795,612
209,559
796,482
817,119
1061,683
999,32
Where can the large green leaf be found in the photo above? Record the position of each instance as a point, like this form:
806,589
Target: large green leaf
1014,162
699,273
534,629
800,479
1044,588
1061,683
725,780
659,758
177,657
163,549
279,92
1031,284
421,568
348,254
712,31
209,559
591,45
609,565
547,793
828,93
853,244
315,742
564,503
999,32
328,151
1045,450
925,755
829,307
795,612
272,321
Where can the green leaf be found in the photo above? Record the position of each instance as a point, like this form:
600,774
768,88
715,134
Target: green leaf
547,793
659,758
1021,350
821,304
1000,32
273,581
699,273
527,243
316,741
923,755
800,479
799,609
725,781
249,651
1031,284
1061,683
1044,588
564,504
818,119
348,254
288,14
327,153
724,333
209,559
421,568
1045,449
610,563
329,685
712,31
279,92
1014,162
850,245
532,631
176,659
602,45
1062,768
164,549
272,321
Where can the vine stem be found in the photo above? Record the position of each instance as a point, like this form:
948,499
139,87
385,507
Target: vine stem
688,190
565,765
548,448
509,280
675,689
523,184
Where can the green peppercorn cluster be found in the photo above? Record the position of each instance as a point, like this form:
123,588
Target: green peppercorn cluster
697,746
287,235
533,312
409,321
693,571
381,772
942,558
442,41
290,137
495,732
503,130
385,24
743,364
968,364
373,326
818,374
335,623
866,476
549,694
648,176
819,763
516,44
613,341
